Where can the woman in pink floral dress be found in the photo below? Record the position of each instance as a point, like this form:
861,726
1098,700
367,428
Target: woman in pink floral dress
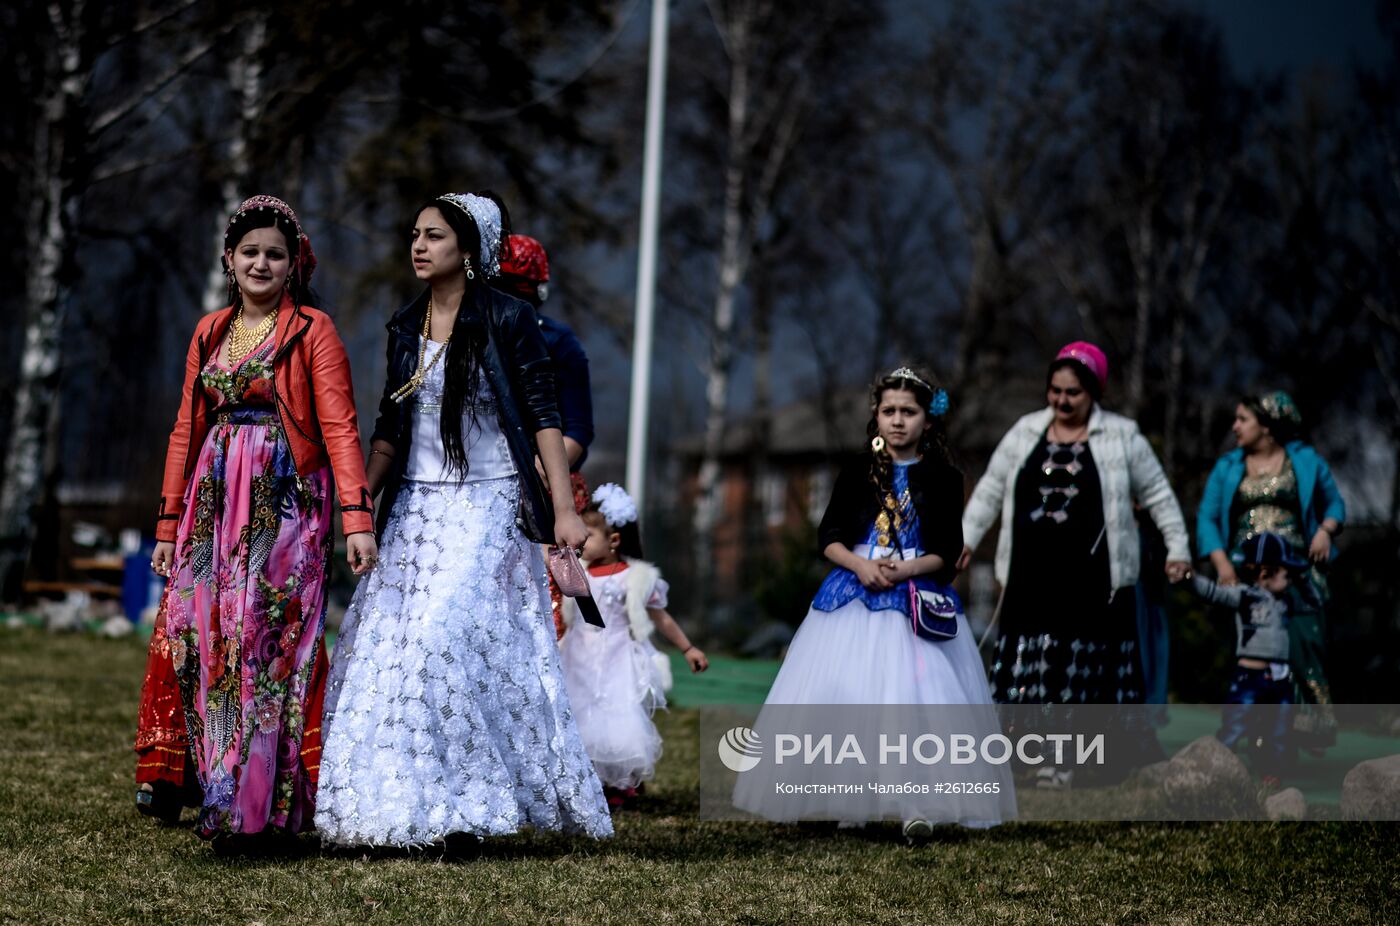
266,415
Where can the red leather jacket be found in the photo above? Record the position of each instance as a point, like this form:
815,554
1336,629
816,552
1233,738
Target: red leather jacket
315,402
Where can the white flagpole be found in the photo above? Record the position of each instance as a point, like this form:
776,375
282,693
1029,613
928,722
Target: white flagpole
646,259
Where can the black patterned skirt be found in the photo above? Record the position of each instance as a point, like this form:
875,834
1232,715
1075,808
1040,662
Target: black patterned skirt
1048,668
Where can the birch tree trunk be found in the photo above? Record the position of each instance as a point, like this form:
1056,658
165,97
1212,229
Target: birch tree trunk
709,501
245,73
53,215
62,167
758,150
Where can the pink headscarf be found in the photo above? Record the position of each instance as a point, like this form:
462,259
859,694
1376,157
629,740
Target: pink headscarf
1091,356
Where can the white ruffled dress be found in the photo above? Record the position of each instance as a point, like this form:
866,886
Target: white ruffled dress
615,683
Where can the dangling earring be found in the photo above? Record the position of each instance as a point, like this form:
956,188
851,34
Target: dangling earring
467,267
877,443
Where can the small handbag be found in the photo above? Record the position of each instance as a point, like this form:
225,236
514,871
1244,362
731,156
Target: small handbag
933,615
573,581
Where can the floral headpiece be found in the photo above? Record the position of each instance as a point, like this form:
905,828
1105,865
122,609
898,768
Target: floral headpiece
487,216
1279,406
303,258
939,404
614,504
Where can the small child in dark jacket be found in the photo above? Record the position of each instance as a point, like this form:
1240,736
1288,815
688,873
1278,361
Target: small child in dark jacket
1262,675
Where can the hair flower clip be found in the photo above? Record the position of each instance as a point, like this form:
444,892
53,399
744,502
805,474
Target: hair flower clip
616,506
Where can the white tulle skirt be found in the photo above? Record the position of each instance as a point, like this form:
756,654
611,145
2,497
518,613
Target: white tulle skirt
614,685
855,656
445,708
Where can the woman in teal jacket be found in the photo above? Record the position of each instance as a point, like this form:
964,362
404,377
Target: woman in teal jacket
1273,481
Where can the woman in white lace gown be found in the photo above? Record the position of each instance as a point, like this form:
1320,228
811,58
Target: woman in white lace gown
446,711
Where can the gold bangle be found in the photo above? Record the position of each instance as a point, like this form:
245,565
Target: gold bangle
373,451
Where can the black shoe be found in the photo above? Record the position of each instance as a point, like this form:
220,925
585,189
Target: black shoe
461,846
160,800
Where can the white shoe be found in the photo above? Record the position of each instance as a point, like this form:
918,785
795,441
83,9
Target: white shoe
1054,779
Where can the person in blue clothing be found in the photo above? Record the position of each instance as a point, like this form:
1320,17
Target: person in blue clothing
525,275
1262,676
1274,482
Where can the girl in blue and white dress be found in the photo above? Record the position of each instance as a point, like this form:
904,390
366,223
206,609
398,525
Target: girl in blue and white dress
614,675
894,517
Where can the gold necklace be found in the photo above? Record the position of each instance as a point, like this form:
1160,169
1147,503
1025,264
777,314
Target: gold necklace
416,380
242,340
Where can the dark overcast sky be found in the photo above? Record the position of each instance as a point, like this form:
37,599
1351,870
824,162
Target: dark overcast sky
1266,36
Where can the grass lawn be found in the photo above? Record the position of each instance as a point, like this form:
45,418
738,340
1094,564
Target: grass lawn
73,849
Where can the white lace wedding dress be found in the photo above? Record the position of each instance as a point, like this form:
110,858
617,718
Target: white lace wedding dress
445,708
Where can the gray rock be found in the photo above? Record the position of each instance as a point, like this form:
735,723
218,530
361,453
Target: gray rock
1206,781
1371,790
1154,775
1288,804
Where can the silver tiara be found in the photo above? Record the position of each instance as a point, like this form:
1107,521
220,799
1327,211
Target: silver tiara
906,373
487,216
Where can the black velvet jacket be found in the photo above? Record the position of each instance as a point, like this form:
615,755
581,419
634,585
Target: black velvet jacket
518,368
936,490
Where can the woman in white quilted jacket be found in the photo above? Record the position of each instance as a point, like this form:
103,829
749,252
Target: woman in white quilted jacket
1063,481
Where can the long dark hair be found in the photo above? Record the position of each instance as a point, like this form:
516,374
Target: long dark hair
462,368
933,441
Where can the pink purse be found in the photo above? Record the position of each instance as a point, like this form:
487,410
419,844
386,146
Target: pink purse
573,581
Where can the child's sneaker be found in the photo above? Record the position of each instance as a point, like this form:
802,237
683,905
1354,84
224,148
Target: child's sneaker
917,831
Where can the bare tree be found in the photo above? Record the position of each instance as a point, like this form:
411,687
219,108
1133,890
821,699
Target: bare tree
767,101
64,159
245,77
994,110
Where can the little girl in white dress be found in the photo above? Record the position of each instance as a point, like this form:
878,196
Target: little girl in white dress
614,676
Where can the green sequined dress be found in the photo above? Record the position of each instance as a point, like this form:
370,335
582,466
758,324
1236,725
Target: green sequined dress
1270,502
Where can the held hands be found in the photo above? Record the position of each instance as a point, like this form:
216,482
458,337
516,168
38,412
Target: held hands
361,552
162,558
874,574
897,570
1177,570
695,656
1321,547
1225,575
965,559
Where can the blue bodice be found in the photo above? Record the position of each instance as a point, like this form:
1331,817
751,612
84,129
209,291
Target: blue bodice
841,586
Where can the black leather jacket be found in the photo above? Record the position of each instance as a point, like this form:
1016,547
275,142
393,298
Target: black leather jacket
935,489
518,368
